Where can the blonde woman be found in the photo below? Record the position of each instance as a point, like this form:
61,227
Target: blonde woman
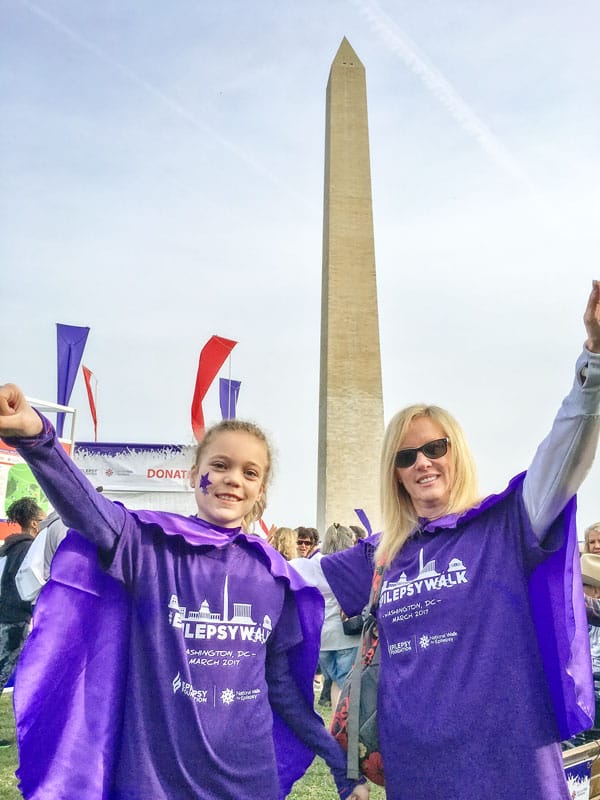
481,647
284,541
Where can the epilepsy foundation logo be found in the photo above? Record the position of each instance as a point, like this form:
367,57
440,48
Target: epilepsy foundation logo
396,648
197,695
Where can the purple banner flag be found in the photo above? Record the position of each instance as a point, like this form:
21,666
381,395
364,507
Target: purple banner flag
70,341
228,395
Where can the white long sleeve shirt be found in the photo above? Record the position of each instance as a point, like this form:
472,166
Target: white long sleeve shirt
565,456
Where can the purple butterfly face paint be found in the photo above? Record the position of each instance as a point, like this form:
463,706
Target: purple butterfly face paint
204,483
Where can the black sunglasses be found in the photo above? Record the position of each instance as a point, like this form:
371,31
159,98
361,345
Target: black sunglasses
435,449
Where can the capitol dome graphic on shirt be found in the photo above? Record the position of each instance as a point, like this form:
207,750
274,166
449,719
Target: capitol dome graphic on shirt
241,614
426,571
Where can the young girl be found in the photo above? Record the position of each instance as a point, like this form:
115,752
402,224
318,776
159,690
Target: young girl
182,670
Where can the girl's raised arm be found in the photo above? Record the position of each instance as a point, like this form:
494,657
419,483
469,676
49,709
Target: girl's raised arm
71,494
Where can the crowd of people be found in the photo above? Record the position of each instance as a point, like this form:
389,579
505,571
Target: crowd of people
196,680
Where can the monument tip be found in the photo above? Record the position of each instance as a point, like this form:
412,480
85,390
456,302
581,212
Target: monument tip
346,53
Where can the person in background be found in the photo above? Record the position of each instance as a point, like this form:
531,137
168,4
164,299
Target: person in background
284,541
157,589
480,623
358,532
308,542
307,546
34,571
590,573
35,567
591,542
338,650
15,614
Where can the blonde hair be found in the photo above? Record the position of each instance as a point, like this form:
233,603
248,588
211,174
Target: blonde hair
590,529
285,542
242,426
397,510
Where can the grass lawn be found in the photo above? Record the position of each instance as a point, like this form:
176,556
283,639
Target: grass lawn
8,755
317,784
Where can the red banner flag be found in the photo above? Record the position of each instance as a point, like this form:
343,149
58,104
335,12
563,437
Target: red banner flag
213,354
87,375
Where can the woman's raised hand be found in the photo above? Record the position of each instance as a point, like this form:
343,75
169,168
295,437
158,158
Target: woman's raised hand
591,319
17,417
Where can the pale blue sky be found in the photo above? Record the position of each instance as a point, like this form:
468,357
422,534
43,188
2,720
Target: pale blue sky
162,180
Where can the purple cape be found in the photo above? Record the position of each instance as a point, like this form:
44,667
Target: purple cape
558,612
70,684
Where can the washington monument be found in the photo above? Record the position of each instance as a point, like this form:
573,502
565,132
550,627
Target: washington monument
350,395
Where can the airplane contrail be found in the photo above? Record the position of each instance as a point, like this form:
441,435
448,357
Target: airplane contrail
400,44
159,95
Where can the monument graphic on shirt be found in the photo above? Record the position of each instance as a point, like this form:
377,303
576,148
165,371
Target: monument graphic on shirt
234,623
428,579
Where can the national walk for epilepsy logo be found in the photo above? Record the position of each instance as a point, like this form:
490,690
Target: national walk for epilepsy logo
227,696
424,642
235,623
432,639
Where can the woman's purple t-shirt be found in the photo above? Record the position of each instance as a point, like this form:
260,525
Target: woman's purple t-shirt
464,704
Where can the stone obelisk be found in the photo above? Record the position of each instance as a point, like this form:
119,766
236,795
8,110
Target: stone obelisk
350,401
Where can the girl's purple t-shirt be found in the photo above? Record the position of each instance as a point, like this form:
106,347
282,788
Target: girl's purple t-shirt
464,704
203,619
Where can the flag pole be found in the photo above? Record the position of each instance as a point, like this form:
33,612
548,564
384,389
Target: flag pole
229,390
96,404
